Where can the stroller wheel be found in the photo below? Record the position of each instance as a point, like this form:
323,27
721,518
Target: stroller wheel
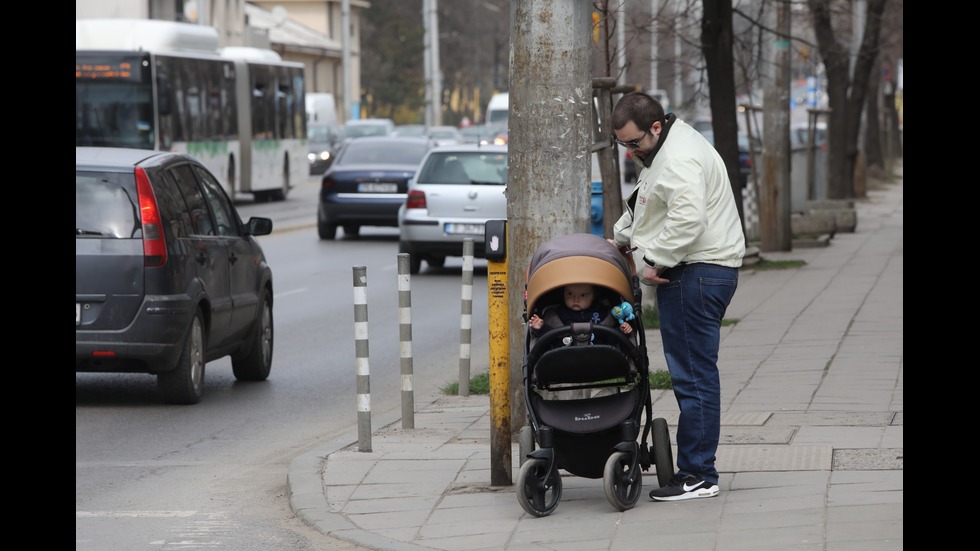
525,443
620,490
663,459
538,496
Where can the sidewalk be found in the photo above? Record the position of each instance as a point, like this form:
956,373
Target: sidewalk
811,456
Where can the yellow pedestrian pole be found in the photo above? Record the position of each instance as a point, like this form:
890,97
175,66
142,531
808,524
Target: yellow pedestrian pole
498,297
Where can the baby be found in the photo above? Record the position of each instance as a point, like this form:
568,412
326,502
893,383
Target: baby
578,307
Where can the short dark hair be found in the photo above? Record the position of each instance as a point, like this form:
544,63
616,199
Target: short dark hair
638,107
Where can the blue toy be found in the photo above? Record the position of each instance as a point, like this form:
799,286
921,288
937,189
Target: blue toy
623,312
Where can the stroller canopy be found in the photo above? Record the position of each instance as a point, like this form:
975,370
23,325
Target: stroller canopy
577,258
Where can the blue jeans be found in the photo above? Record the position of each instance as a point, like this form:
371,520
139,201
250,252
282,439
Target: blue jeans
691,308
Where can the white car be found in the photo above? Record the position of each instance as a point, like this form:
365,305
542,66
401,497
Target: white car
455,191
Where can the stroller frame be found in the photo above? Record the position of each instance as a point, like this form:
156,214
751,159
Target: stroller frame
597,436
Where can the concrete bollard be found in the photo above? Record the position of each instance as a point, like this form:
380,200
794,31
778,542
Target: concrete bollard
361,360
405,340
466,319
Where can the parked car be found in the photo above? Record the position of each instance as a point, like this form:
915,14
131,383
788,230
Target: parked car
458,188
324,139
443,135
358,128
167,277
367,182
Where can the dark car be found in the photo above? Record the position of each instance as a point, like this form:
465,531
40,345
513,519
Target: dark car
324,139
167,277
367,182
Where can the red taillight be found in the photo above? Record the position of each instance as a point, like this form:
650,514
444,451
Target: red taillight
415,200
154,247
327,183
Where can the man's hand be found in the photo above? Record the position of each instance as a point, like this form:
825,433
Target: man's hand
650,276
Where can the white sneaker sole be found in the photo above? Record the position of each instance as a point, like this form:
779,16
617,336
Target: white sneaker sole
710,491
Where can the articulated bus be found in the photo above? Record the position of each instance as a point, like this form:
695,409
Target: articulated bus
165,86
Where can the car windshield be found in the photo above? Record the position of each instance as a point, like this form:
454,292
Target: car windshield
320,133
477,167
391,152
410,130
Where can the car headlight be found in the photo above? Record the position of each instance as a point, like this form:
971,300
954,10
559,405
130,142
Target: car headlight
322,156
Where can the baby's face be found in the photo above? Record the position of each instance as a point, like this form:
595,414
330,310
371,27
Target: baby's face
579,296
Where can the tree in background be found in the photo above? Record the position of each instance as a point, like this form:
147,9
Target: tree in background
392,51
716,45
882,140
474,38
846,89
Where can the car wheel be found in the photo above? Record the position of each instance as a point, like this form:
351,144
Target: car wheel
414,263
326,231
184,383
256,362
435,261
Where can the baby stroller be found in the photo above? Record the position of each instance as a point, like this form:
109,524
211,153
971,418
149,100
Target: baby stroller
595,436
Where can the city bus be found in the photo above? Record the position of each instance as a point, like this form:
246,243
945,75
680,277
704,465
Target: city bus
166,86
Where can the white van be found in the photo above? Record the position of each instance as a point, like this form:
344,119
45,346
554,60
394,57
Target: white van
497,108
321,109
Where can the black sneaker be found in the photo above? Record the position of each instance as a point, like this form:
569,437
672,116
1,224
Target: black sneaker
684,487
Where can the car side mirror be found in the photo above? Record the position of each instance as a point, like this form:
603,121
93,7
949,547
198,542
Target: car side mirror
258,226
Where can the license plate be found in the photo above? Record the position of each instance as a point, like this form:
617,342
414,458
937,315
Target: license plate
469,229
78,313
377,187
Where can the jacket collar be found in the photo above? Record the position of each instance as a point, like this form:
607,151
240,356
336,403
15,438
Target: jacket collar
669,121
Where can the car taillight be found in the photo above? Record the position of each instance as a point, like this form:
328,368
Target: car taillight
415,200
327,183
154,247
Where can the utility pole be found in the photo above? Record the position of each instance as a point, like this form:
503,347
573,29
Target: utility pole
654,50
433,72
549,188
775,205
346,60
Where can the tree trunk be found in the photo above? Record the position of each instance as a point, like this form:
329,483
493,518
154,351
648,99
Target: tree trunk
716,43
846,96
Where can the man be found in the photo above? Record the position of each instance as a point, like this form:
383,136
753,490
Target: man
683,222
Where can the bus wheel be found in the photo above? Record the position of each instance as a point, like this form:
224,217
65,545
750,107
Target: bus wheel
280,194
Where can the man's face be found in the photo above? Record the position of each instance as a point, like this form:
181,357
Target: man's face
636,141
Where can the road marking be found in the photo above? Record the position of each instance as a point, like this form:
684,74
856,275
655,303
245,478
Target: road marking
293,292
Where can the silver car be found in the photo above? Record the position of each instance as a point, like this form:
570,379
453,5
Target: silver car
455,191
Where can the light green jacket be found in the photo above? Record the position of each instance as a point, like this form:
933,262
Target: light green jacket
683,208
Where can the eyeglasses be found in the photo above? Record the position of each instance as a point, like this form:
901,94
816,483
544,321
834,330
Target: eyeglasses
632,144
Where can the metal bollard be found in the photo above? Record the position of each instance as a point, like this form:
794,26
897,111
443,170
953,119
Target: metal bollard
466,319
405,339
361,360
